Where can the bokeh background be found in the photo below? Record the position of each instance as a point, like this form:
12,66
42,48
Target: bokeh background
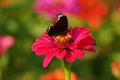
22,21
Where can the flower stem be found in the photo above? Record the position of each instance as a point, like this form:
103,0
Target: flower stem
67,68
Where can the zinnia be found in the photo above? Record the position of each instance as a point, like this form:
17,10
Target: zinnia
115,66
93,11
58,74
68,46
52,7
5,43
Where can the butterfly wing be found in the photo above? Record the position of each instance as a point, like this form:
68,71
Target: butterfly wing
59,27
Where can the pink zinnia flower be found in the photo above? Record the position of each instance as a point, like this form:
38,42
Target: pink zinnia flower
93,11
5,43
68,46
52,7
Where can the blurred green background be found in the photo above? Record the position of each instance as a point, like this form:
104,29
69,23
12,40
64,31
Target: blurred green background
17,18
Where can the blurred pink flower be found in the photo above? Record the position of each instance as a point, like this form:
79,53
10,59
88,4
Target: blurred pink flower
5,43
53,7
115,66
93,11
68,46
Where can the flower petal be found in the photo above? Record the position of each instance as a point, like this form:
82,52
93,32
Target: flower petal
73,47
86,44
78,53
70,57
44,39
91,50
35,46
60,53
47,59
42,50
87,41
79,34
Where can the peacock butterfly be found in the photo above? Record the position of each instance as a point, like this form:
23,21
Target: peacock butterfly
59,26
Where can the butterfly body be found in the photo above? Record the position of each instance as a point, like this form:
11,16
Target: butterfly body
59,27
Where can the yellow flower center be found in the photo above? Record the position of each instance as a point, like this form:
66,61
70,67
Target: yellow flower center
64,40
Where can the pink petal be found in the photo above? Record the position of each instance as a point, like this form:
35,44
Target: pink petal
91,50
79,34
87,47
47,59
45,38
73,46
35,46
60,53
86,44
78,53
87,41
44,41
70,57
92,41
42,50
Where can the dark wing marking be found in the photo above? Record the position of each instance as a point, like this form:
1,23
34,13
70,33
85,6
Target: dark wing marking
60,27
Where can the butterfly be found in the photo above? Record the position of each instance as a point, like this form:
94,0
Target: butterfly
59,26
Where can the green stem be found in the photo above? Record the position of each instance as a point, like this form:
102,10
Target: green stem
67,69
